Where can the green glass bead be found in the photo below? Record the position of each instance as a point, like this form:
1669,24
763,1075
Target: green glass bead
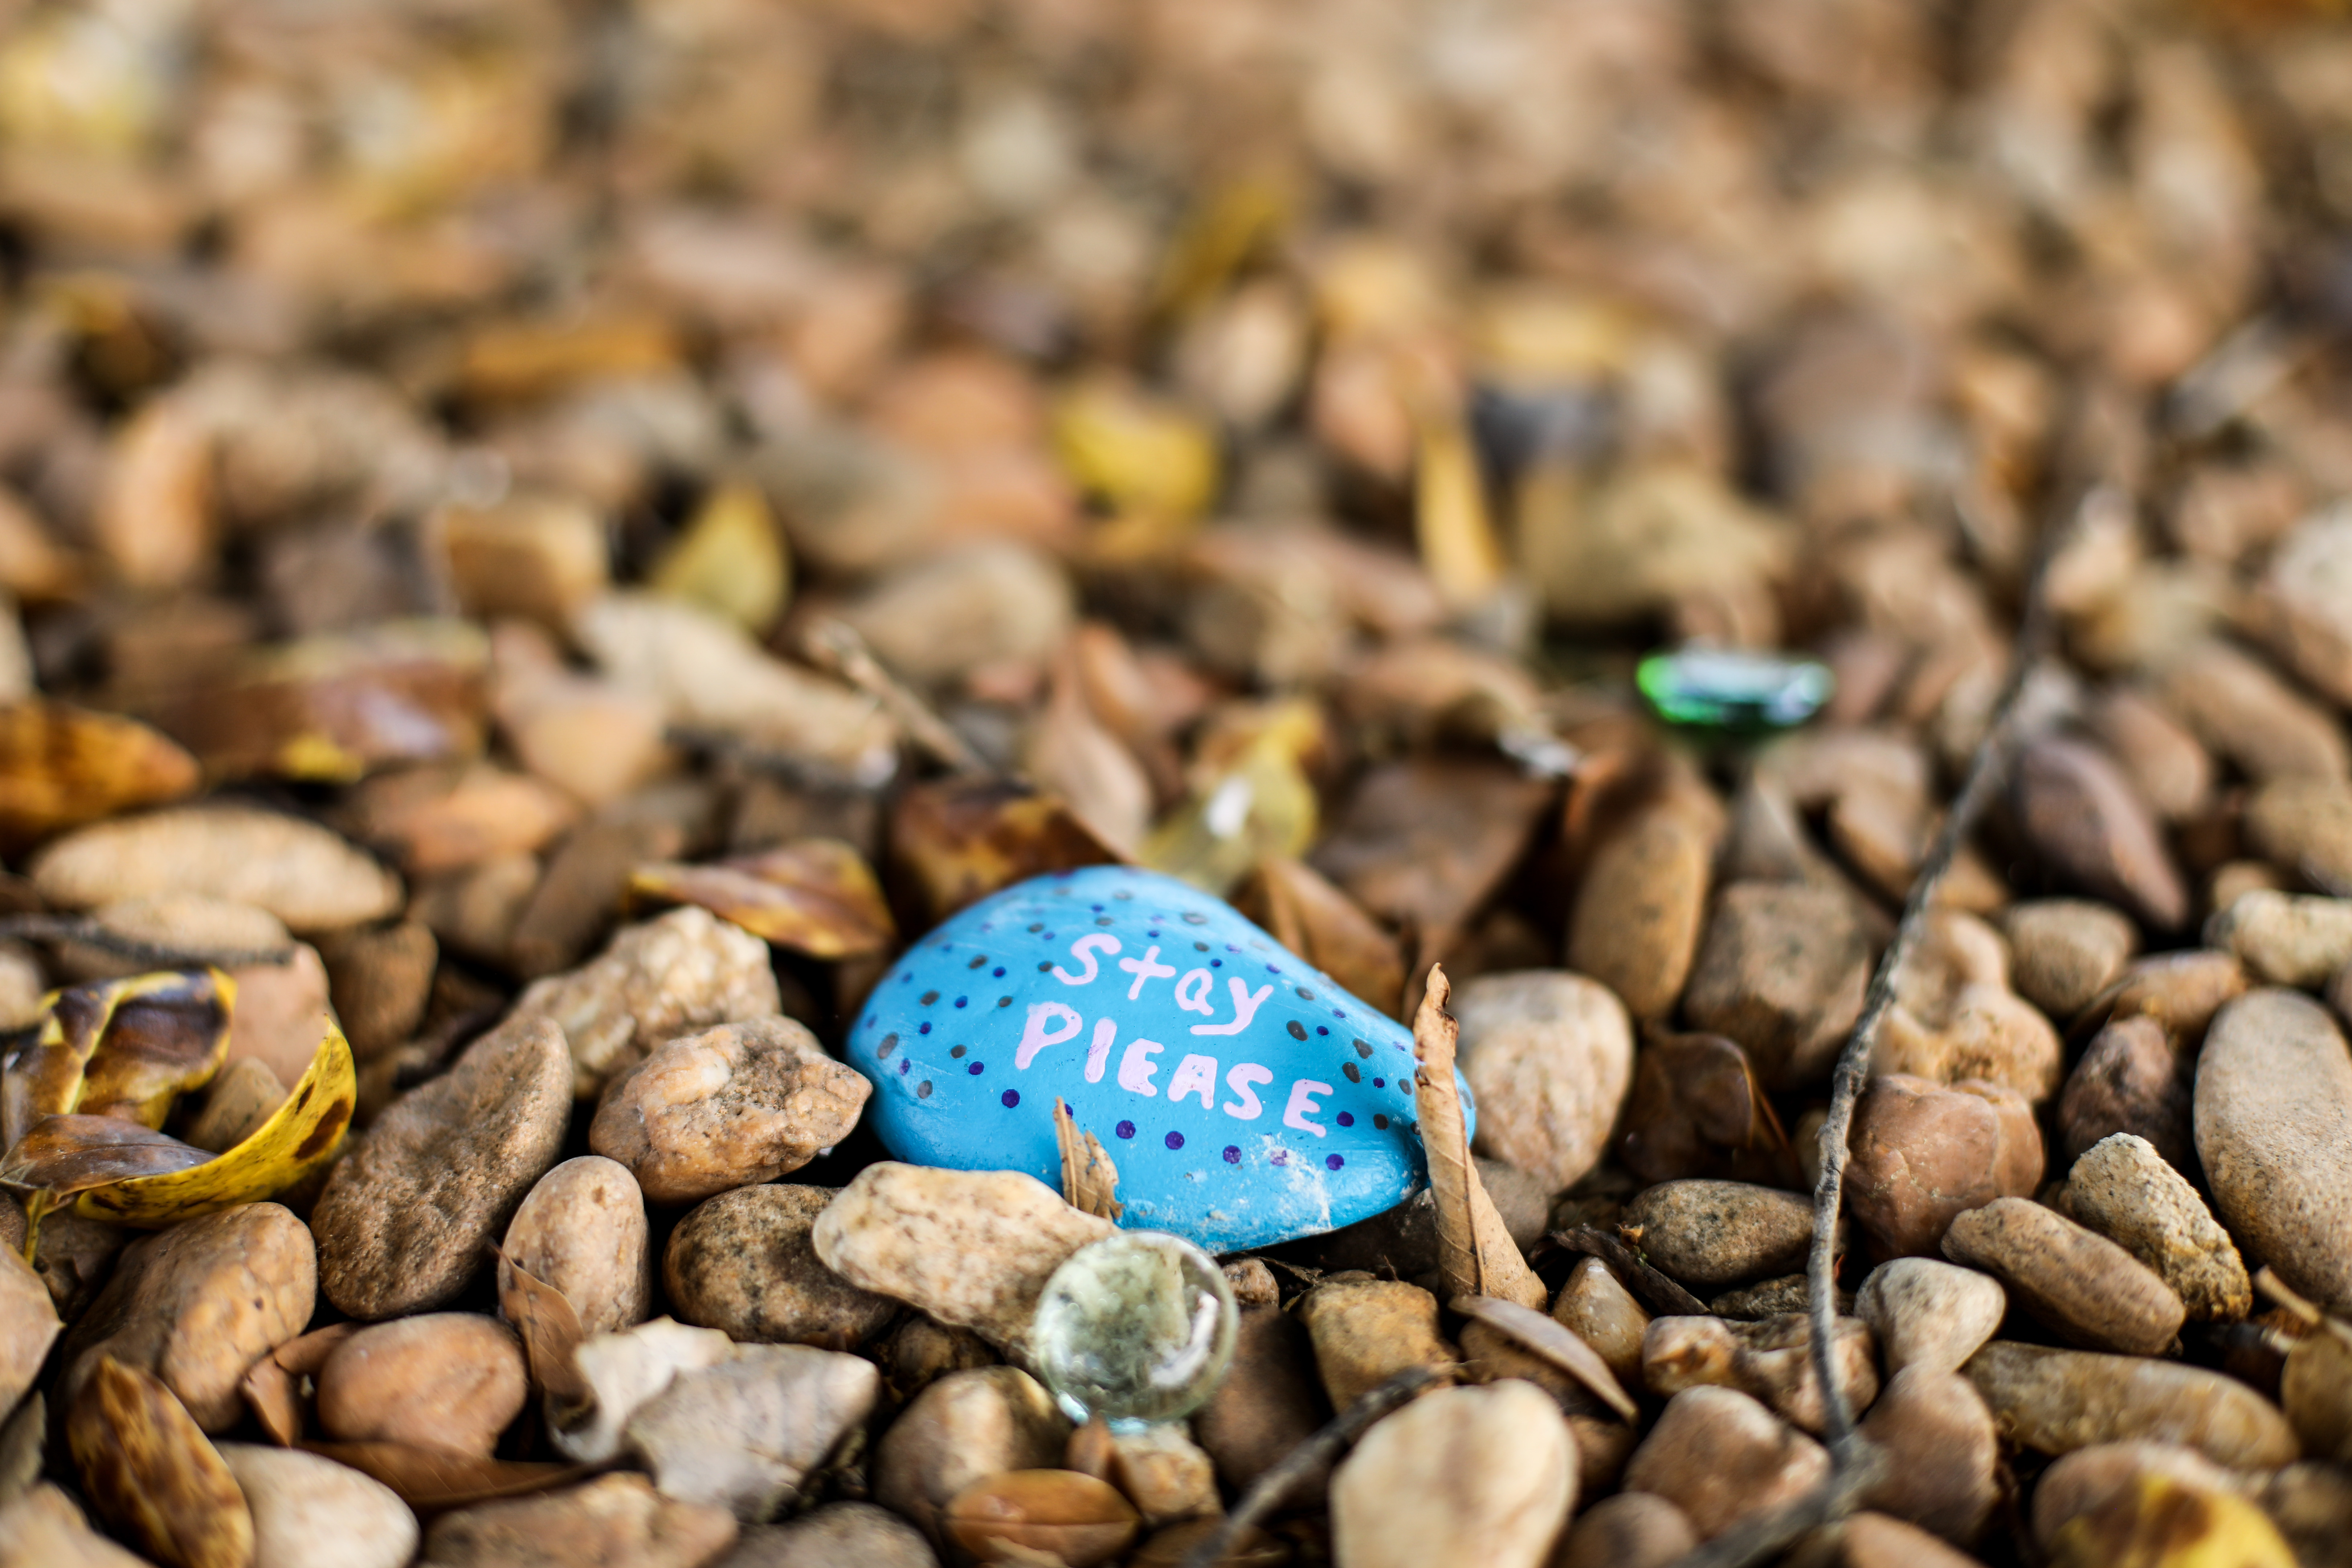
1721,689
1137,1327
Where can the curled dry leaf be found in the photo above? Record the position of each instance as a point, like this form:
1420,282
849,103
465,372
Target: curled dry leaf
1141,457
729,559
1316,920
63,1155
1476,1255
1555,1341
960,841
816,896
1041,1516
61,767
550,1328
1697,1110
1089,1180
1259,804
433,1481
272,1386
154,1475
120,1048
300,1137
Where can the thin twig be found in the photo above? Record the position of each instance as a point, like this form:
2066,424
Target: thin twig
1852,1457
90,933
842,651
1659,1294
1305,1459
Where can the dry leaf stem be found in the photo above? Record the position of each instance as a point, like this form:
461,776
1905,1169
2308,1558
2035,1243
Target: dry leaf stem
1476,1255
843,652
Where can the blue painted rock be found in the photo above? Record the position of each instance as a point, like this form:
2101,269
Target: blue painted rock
1245,1097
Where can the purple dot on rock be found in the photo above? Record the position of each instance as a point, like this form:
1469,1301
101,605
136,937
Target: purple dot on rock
1233,1155
963,1001
1011,1097
1346,1119
1124,1130
1380,1083
974,1068
905,1063
923,1030
1332,1162
1175,1139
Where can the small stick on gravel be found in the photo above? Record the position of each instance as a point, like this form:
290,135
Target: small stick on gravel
1305,1459
1853,1456
1476,1254
88,931
843,652
1658,1293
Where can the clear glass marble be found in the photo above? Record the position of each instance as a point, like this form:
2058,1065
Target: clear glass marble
1137,1327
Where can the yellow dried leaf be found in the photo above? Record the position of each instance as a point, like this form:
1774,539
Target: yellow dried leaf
1231,223
1451,521
120,1048
1139,455
152,1474
61,767
1261,804
815,895
300,1137
960,840
729,559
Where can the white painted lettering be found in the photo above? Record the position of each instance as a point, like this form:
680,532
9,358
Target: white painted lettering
1302,1105
1136,1068
1245,1005
1194,998
1248,1105
1084,951
1148,967
1195,1074
1099,1049
1036,1037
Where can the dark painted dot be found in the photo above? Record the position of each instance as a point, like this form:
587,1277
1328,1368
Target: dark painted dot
1175,1139
976,1068
1196,919
977,960
1151,936
958,1050
1305,994
1340,1014
1096,907
1231,948
1005,1001
905,979
1044,966
1049,936
1380,1083
1010,1098
1363,1050
1034,929
923,1028
1332,1162
1216,964
1322,1029
997,972
1298,1030
1380,1122
1271,968
890,1043
1233,1155
928,997
904,1064
1124,1130
1355,1074
1104,921
1346,1119
1199,947
923,1090
963,1001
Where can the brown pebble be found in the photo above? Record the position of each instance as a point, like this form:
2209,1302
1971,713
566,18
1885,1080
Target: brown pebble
615,1519
1924,1152
1632,1530
1720,1457
966,1425
742,1262
1366,1331
1781,970
1941,1452
2056,1400
2078,808
582,1229
2274,1117
1710,1234
1270,1402
2084,1287
2064,951
450,1381
2131,1078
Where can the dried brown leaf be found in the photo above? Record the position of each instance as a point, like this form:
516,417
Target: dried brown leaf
432,1480
122,1048
1423,843
1089,1180
1476,1255
61,767
1014,1515
816,896
275,1396
154,1475
1316,920
1553,1341
957,841
1697,1110
550,1328
64,1155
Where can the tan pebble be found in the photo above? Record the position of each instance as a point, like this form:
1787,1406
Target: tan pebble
1720,1457
379,978
198,1304
582,1229
1638,906
982,603
2090,1291
2076,1483
2064,951
1924,1152
29,1325
436,820
2168,766
2131,1078
531,555
744,1262
405,1219
1770,1361
743,1434
972,1248
1494,1465
40,1527
2234,703
2180,991
1941,1451
624,1369
1708,1234
1955,1017
2274,1117
311,1512
732,1105
2124,1190
2286,939
281,1013
614,1519
1548,1055
1166,1475
1929,1314
1602,1312
2305,590
834,1536
1366,1331
1632,1530
191,922
238,1100
451,1381
1781,970
963,1427
301,873
2299,823
1875,1541
2056,1400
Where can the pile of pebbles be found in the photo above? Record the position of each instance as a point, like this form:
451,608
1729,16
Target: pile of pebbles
571,536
